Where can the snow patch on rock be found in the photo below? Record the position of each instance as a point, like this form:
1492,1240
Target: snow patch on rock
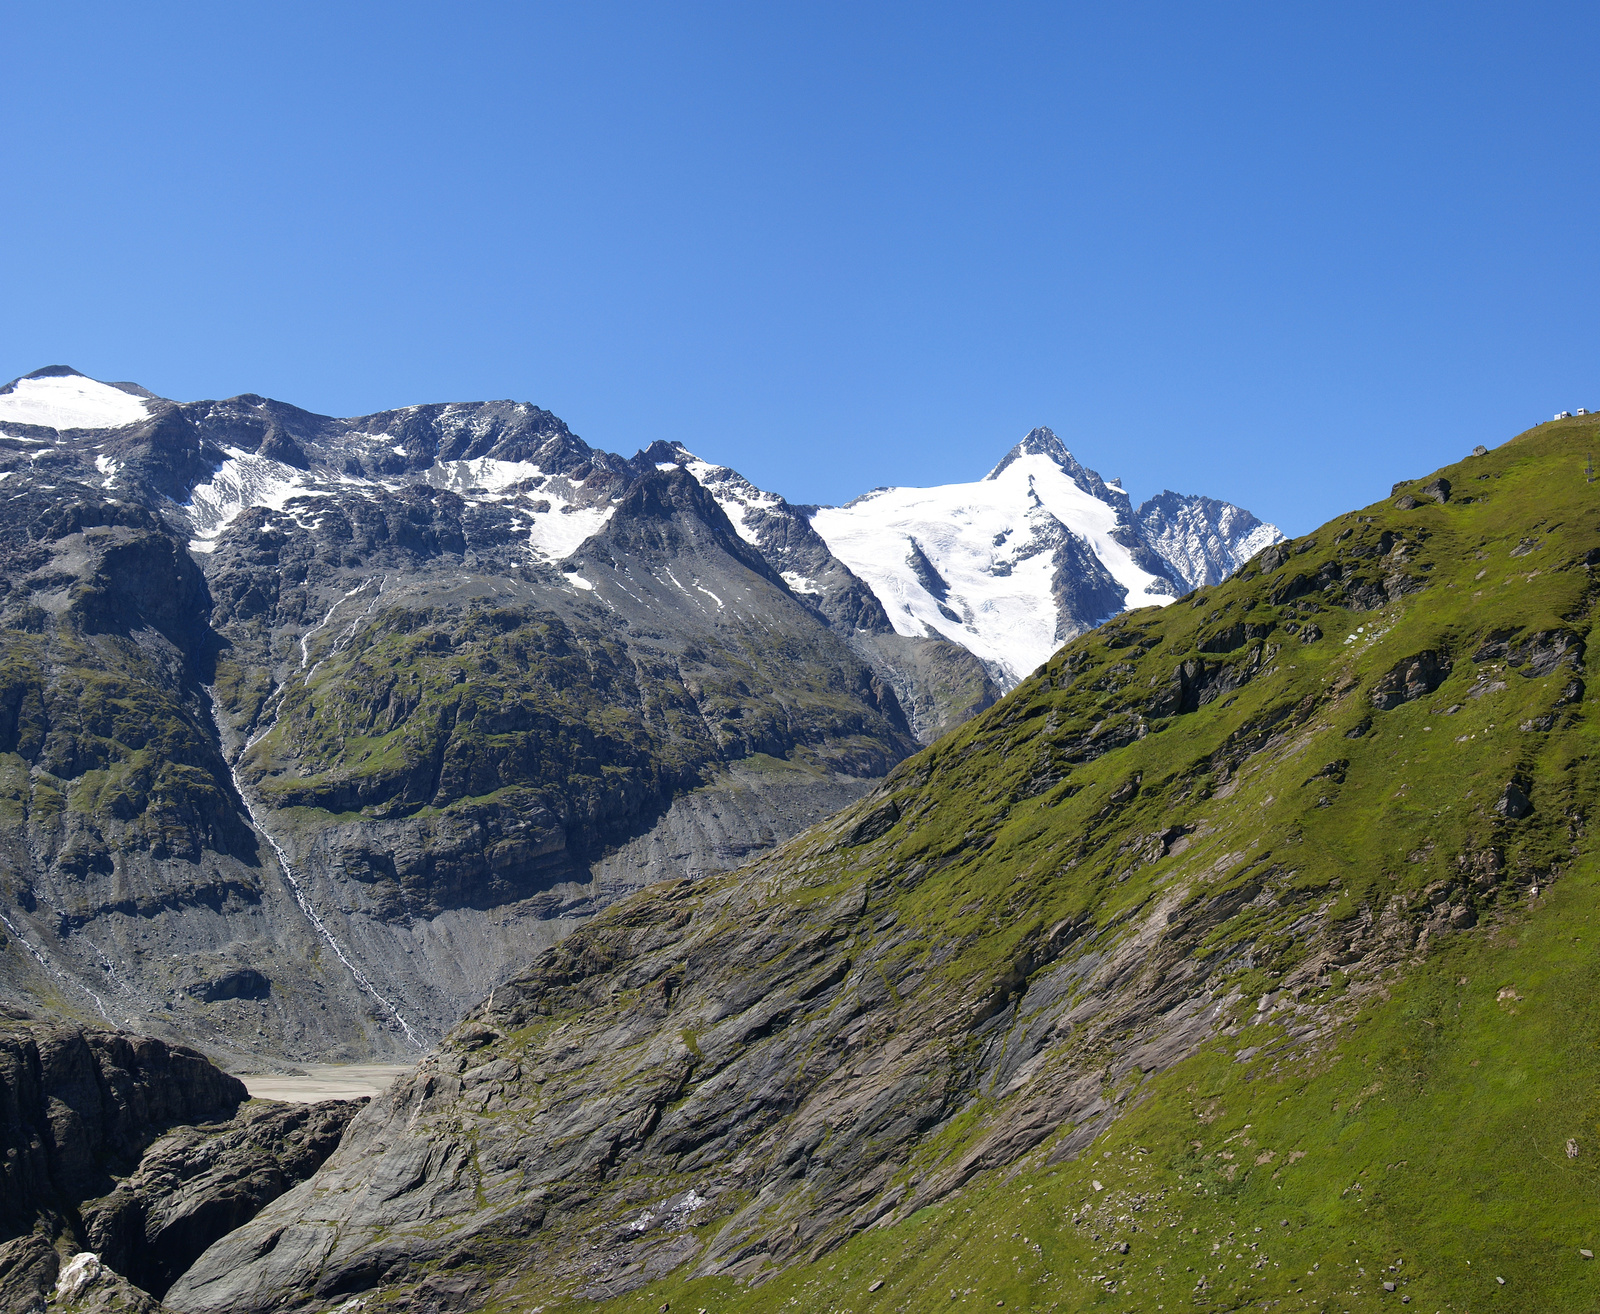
71,401
483,478
1202,539
559,532
740,500
243,480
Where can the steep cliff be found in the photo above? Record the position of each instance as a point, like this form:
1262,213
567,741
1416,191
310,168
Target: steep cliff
135,1154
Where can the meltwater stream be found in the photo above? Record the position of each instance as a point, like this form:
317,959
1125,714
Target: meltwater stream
52,968
287,868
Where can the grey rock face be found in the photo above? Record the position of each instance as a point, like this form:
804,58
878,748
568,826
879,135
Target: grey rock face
77,1106
766,1060
939,684
28,1268
197,1184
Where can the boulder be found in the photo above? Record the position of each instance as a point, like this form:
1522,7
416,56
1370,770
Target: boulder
1514,803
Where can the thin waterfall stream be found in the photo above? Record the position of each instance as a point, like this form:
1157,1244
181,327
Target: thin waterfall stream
52,968
300,897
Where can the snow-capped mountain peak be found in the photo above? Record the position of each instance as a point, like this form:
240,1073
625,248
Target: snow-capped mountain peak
1010,566
1044,443
58,397
1031,555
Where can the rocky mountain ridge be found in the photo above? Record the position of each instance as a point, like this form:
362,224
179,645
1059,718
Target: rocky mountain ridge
1167,979
312,730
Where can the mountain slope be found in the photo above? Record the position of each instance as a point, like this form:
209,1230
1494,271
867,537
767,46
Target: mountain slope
940,682
314,729
1204,929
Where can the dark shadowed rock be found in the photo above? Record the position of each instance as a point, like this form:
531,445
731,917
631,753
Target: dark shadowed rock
242,983
76,1107
1410,678
28,1268
1514,802
196,1184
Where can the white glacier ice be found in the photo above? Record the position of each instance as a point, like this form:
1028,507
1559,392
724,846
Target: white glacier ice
991,542
71,401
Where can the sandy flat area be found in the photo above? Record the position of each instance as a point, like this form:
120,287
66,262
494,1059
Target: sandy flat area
349,1081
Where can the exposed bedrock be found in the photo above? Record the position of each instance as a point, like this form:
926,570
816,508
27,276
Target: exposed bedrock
140,1154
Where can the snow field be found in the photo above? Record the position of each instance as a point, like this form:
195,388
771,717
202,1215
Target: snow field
71,402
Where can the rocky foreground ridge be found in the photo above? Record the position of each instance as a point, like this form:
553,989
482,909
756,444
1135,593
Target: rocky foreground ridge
1237,957
313,730
139,1154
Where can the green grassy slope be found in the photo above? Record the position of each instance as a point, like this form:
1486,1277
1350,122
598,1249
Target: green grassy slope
1426,1146
1443,1130
1269,909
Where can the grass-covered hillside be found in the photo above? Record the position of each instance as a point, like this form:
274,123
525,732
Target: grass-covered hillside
1240,957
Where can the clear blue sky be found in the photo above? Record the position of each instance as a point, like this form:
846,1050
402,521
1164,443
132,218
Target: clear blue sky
1282,254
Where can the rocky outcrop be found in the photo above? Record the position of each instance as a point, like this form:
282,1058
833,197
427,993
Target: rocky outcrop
29,1266
778,1065
132,1155
1410,678
78,1106
196,1184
